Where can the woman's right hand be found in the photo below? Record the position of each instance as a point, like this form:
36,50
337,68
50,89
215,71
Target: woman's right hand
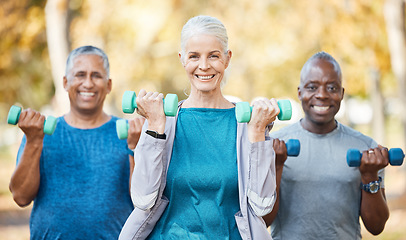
31,123
150,105
264,112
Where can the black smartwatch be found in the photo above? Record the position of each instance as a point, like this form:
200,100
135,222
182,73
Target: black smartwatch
155,134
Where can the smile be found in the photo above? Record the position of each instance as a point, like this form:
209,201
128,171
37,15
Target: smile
87,94
321,108
205,77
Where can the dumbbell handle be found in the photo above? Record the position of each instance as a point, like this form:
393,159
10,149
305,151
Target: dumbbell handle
14,116
293,147
396,157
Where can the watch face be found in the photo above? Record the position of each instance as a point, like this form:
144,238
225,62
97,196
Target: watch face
374,187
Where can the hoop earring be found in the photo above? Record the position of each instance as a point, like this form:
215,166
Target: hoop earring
185,92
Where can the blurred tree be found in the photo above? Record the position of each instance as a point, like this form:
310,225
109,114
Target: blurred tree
138,38
395,24
24,62
57,25
270,41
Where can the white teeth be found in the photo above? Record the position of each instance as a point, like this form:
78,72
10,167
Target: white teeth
87,94
205,77
320,109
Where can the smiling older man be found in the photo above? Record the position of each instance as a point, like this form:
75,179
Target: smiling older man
78,177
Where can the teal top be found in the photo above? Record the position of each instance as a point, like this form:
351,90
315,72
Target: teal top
202,179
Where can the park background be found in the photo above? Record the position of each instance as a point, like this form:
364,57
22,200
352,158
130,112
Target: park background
270,41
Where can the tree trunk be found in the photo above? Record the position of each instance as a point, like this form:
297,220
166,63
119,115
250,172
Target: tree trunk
394,11
378,119
56,14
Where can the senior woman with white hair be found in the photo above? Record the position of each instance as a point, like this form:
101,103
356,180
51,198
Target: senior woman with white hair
202,175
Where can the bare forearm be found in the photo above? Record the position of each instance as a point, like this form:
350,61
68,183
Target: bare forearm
25,180
374,211
255,135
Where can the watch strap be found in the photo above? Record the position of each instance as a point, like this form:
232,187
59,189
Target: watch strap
155,134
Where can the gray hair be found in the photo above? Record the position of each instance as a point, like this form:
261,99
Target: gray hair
203,25
323,56
87,50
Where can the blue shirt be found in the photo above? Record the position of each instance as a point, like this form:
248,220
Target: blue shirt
84,187
202,180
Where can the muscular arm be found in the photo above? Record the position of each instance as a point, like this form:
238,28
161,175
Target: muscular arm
374,209
281,156
24,183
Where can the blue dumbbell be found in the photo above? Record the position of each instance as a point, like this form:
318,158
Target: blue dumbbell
396,157
293,147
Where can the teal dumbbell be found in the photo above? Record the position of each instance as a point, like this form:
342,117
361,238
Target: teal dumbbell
129,104
243,111
122,129
293,147
14,115
396,157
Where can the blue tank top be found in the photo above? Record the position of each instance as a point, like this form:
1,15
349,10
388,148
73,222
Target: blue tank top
202,179
84,188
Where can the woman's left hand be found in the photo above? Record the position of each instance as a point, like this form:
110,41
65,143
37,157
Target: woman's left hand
264,112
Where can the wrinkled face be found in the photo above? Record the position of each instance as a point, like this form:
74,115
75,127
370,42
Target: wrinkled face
87,83
321,92
205,62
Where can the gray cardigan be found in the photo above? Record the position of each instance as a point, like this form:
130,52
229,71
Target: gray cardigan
256,183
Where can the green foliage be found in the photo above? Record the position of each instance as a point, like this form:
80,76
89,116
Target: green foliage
270,41
24,62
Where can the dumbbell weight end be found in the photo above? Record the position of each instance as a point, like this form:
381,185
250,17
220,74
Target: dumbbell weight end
293,147
396,156
13,115
353,157
285,108
122,129
50,125
170,104
128,103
